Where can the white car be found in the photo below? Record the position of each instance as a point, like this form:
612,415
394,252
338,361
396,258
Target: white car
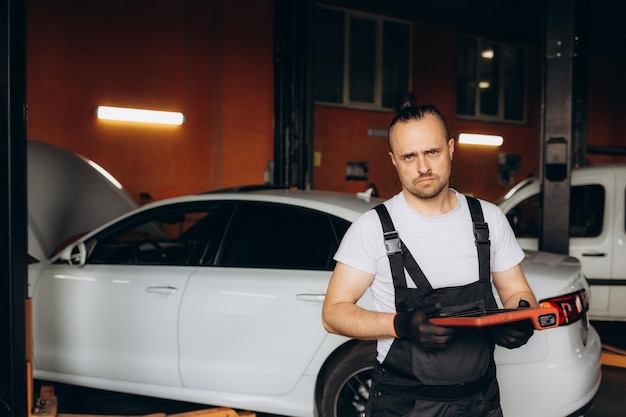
216,299
68,195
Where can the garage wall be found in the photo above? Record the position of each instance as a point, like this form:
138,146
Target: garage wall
606,118
341,135
211,60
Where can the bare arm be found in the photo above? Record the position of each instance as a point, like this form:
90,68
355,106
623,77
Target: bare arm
341,315
512,286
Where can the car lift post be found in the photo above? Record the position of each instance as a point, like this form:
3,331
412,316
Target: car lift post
13,241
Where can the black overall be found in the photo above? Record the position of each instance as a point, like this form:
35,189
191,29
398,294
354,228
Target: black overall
456,381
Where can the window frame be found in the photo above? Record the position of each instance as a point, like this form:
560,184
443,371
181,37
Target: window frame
379,21
501,76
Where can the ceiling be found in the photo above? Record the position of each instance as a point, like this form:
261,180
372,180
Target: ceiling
603,21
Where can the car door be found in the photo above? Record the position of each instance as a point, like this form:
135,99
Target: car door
116,317
592,208
251,322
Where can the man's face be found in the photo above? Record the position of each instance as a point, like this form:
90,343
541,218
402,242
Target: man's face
422,155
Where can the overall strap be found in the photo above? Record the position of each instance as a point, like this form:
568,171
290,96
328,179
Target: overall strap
481,234
399,257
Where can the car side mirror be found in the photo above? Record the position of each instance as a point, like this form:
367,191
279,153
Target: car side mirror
75,254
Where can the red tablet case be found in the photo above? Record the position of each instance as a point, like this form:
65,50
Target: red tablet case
541,317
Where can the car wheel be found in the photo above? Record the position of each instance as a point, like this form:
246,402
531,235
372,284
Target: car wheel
346,382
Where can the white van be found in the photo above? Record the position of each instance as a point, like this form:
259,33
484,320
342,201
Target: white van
597,231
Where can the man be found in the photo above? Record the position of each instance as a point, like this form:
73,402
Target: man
422,369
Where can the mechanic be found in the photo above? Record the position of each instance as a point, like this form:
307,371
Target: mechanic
439,253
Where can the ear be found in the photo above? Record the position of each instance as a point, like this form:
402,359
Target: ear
451,148
393,161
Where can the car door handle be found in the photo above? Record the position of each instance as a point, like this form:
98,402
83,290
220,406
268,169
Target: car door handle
311,297
595,254
162,290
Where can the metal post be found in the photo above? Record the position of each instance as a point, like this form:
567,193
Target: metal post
293,106
13,240
563,133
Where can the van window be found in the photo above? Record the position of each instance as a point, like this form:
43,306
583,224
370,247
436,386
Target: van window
586,213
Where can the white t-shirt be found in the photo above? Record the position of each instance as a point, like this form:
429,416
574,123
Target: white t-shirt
443,246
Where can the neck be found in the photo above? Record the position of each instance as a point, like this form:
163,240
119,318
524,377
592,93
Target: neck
443,203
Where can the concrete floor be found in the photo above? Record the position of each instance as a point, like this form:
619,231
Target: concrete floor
611,398
609,402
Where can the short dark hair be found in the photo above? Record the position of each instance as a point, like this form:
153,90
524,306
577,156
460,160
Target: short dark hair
411,112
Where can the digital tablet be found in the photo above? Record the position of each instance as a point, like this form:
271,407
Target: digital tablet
541,317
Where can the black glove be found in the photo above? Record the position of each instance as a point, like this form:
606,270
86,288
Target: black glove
513,335
414,326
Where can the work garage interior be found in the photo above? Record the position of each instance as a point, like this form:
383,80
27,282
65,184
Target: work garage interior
253,81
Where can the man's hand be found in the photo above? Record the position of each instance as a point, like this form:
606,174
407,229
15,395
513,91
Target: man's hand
414,326
513,335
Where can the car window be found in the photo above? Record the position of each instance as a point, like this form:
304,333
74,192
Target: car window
524,217
165,236
586,213
586,210
267,235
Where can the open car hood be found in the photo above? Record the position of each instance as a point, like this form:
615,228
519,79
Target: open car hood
67,196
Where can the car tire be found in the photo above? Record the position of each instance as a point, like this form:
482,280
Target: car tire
346,381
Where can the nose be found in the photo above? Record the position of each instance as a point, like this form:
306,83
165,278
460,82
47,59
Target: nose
423,165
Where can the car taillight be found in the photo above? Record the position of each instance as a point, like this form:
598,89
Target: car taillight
571,307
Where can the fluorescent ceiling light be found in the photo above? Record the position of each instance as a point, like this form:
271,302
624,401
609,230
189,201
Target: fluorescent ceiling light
487,53
140,115
483,85
477,139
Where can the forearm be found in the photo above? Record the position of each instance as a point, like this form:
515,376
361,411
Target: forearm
513,287
350,320
513,300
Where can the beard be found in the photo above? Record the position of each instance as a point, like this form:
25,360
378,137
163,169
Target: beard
427,192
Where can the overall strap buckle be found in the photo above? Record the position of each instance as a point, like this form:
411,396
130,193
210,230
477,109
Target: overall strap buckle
481,233
392,243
